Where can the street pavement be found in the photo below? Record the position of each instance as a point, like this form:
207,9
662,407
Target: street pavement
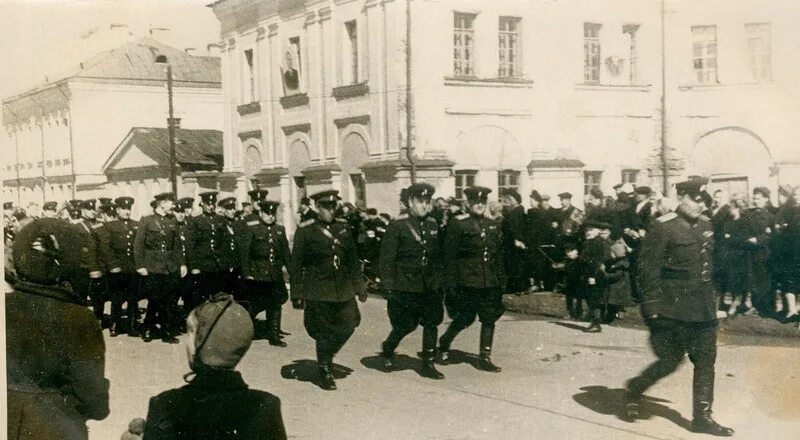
557,382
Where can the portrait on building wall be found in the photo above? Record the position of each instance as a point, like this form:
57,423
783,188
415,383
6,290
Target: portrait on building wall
290,66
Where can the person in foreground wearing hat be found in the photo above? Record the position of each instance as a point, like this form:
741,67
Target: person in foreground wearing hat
54,345
474,268
761,222
160,263
411,269
264,252
122,278
201,247
679,306
326,274
216,403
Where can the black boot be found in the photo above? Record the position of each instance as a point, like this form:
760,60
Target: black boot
704,424
631,411
487,338
444,344
326,381
115,330
594,327
272,332
279,315
428,367
387,357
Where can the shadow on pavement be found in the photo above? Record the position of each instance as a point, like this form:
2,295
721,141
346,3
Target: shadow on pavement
402,362
461,357
611,402
305,370
581,328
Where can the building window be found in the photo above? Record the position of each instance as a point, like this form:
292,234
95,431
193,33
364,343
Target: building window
509,48
464,179
704,53
630,176
633,51
250,92
591,52
352,49
463,44
507,179
300,186
359,188
591,180
759,50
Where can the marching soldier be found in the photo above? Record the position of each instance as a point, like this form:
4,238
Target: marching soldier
95,238
264,252
122,279
474,267
679,306
411,270
201,246
227,254
325,272
159,262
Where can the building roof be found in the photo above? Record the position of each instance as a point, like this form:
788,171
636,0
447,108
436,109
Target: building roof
134,62
195,150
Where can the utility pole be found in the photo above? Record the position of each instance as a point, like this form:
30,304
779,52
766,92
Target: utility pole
162,59
409,122
664,165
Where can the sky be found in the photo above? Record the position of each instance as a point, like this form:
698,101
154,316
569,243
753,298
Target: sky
40,40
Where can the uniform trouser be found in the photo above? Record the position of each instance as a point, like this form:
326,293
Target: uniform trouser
635,265
91,288
161,293
467,304
671,341
761,286
264,296
228,281
330,324
122,288
407,310
203,285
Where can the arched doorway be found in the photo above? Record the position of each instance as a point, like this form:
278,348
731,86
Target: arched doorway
252,161
354,155
299,159
733,158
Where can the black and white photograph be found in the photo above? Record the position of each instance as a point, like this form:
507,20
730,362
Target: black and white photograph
400,219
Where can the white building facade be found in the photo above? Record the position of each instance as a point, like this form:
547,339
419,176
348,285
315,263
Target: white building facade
539,94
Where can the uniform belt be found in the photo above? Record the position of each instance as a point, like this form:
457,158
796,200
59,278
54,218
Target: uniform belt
676,274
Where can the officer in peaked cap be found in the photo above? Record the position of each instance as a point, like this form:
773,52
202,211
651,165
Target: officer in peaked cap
74,210
122,278
50,210
258,195
679,305
227,253
160,263
202,242
89,281
411,267
264,252
473,261
186,294
105,201
326,273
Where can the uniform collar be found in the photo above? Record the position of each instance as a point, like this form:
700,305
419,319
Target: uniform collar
218,379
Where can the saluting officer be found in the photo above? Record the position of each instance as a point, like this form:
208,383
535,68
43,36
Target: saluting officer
201,245
264,252
475,269
95,238
227,254
160,263
411,269
325,272
678,305
122,279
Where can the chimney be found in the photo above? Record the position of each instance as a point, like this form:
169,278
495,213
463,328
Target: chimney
214,49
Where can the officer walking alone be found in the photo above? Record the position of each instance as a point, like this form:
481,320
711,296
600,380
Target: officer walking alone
474,267
326,274
411,269
679,305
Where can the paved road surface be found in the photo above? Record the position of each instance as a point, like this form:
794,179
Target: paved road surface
557,383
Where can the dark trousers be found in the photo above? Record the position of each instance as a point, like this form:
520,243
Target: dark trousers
92,288
122,287
263,296
407,310
161,292
203,285
671,341
228,281
469,303
761,285
330,324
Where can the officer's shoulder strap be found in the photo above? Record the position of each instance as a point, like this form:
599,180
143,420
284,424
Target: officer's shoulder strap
667,217
462,216
253,223
401,217
341,220
308,222
431,219
97,225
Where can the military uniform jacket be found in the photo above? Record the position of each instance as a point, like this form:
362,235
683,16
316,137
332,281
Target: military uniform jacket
225,247
411,255
675,275
324,264
761,223
121,235
157,247
264,251
201,243
183,230
473,253
95,250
